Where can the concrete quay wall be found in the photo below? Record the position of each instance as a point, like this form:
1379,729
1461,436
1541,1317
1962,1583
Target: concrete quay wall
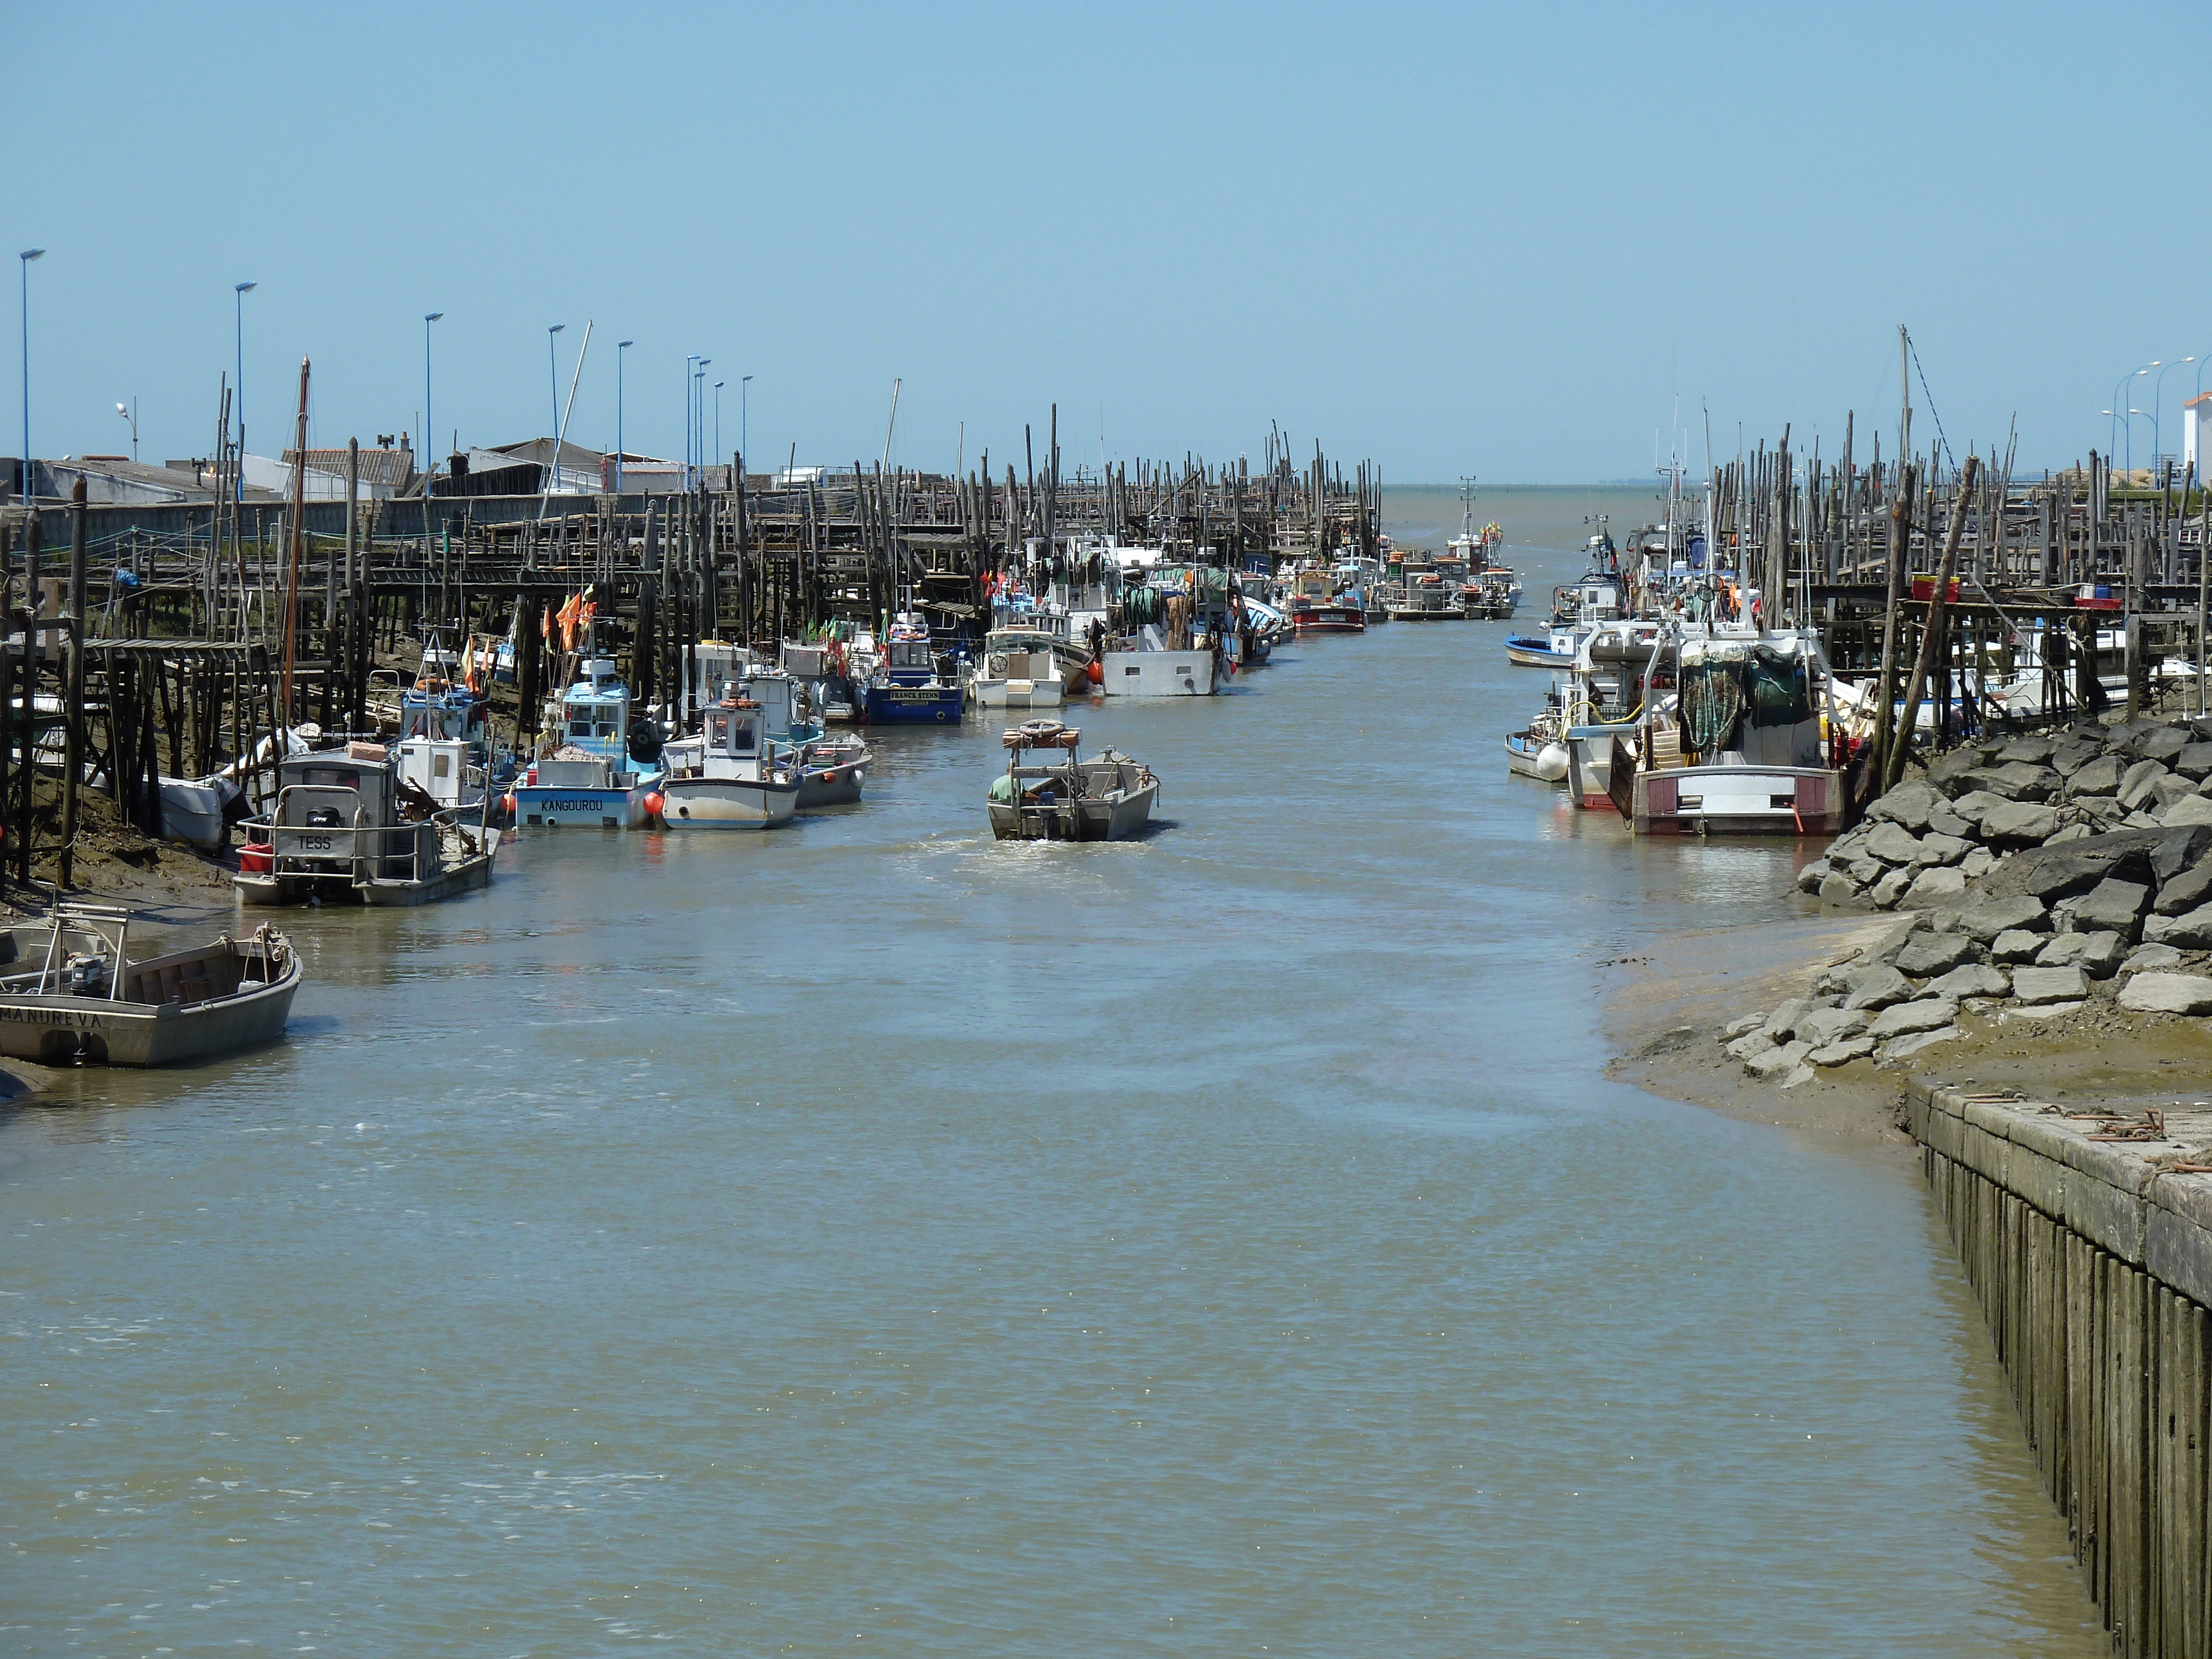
2092,1259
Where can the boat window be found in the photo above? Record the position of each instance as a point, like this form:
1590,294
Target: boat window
744,734
718,729
331,775
580,728
441,766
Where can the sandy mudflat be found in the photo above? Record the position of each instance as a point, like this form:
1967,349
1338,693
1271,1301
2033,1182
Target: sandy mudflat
1664,1011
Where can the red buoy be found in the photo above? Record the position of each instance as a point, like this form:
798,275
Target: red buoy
653,803
1096,672
507,801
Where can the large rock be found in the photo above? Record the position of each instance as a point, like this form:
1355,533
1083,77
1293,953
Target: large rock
2100,777
2016,944
1928,953
1890,888
1971,979
1932,886
1825,1025
1924,1014
1936,847
2015,780
2113,905
1810,878
2167,993
2071,755
2187,891
2178,849
2190,809
1948,773
2195,760
2168,789
2097,955
1864,873
2163,743
2015,823
1775,1062
2033,750
1837,888
1892,843
2150,957
1876,987
1841,1053
2137,783
1978,861
1908,805
1750,1043
1944,822
1984,920
1782,1023
1971,806
2190,931
2033,985
2076,866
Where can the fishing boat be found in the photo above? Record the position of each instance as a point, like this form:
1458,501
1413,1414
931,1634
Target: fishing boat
1109,797
907,688
831,769
1429,597
1021,668
444,748
727,777
1744,748
1535,750
1553,649
604,768
1604,695
347,827
69,993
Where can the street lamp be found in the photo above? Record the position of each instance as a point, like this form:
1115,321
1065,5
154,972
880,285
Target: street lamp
2118,401
2158,405
553,375
26,256
2127,415
621,346
699,422
429,439
238,292
719,385
130,412
745,398
690,358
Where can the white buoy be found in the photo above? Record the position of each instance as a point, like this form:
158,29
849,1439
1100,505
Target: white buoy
1551,762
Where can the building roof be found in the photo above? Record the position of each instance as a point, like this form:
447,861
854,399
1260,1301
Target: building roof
390,469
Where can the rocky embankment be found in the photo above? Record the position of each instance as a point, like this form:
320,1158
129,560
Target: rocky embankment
2039,877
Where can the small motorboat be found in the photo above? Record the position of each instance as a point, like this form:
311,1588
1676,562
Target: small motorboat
727,777
1553,650
348,826
1106,799
70,993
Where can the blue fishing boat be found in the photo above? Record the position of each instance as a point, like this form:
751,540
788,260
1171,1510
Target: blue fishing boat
605,769
907,690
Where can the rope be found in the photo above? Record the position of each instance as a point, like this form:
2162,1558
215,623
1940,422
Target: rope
1930,397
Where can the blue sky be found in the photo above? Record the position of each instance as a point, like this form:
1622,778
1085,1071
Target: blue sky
1502,240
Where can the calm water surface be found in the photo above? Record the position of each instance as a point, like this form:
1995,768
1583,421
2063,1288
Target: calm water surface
866,1238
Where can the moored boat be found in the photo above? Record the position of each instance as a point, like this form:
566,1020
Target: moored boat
727,777
347,827
68,992
605,767
1108,798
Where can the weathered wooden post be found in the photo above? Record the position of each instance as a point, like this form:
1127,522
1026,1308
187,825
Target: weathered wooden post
73,733
1935,634
1900,541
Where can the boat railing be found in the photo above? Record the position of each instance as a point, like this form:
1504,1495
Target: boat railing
358,853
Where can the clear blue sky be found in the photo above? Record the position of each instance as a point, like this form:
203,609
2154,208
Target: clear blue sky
1498,239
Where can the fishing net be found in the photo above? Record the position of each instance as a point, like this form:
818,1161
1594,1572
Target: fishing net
1712,703
1780,692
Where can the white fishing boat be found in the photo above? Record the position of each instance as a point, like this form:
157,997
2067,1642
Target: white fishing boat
1108,798
727,777
347,827
1022,668
70,993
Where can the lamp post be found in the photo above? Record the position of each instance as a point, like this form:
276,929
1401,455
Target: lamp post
2119,402
553,377
690,358
2158,406
719,385
130,412
745,392
2128,415
26,257
621,346
699,419
238,293
429,431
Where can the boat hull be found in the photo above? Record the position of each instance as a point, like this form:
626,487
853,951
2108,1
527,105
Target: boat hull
728,804
1332,619
832,785
554,807
1418,613
1589,764
1520,754
912,705
1537,653
59,1030
1081,820
1740,801
1018,694
1158,674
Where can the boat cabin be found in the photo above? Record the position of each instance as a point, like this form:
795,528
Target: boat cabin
910,662
595,711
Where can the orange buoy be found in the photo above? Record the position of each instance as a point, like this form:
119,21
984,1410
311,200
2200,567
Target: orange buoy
653,803
507,801
1095,671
